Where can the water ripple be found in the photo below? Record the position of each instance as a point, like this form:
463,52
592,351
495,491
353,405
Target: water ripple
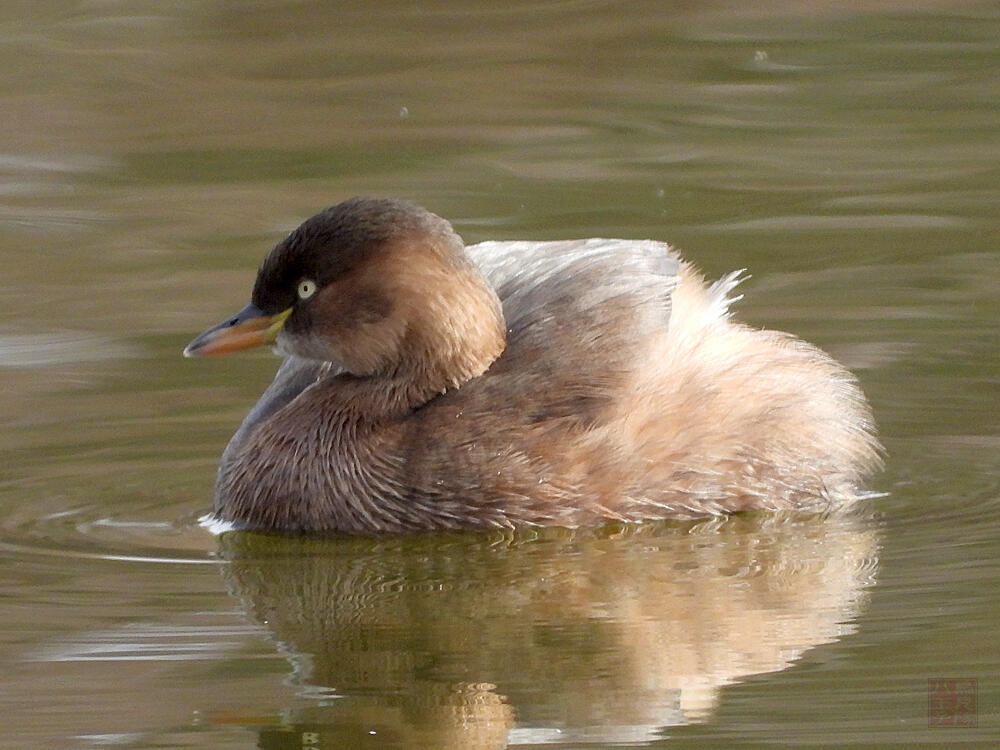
81,534
59,348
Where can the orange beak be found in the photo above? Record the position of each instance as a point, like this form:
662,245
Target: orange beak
250,327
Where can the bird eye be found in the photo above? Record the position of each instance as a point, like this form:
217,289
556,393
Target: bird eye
307,288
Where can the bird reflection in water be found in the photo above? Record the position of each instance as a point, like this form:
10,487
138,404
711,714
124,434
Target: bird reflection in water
529,637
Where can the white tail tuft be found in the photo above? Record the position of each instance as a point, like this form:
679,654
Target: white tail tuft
720,297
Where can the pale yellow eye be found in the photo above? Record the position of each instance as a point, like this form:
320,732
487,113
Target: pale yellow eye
307,288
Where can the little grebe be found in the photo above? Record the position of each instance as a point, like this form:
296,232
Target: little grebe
429,385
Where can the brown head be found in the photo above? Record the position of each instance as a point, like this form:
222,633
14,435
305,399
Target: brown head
376,286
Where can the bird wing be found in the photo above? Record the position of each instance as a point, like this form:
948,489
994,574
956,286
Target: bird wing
579,315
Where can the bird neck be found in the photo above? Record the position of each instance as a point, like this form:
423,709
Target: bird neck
456,334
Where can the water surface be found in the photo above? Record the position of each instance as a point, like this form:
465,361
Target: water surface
151,154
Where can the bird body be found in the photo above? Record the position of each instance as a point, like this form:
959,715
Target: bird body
428,385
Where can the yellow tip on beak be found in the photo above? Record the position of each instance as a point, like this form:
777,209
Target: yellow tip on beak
250,327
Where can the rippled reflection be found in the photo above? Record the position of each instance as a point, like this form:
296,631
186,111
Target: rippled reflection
457,642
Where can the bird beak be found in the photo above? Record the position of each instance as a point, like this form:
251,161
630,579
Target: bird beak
248,328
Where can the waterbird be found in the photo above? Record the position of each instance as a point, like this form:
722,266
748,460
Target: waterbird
430,385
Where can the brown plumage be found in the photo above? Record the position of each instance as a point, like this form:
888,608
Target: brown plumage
432,386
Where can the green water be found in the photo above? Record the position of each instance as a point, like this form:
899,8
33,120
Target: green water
150,155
